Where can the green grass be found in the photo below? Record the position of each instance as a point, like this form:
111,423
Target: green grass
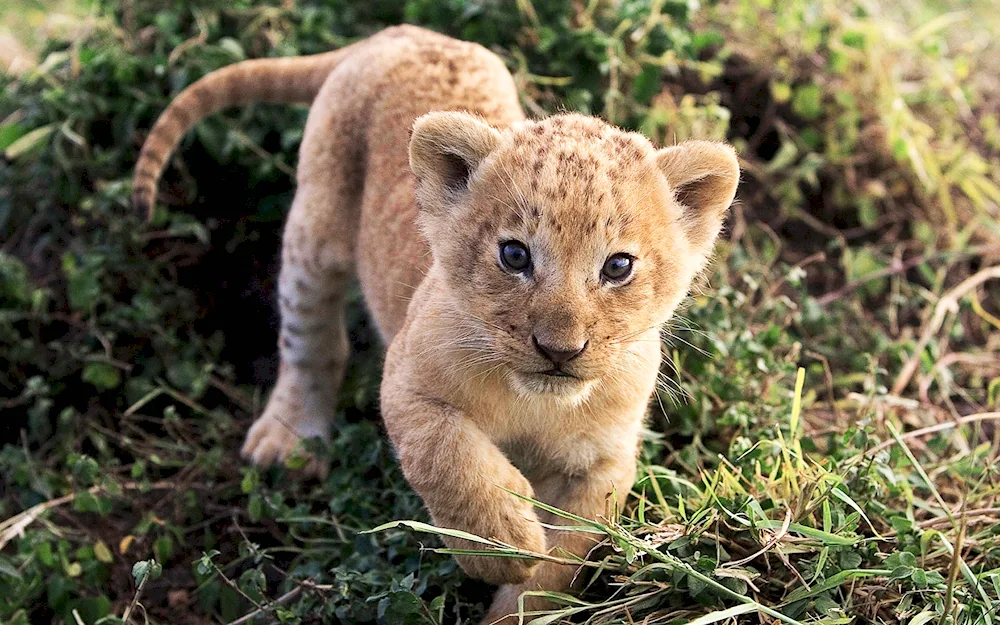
823,448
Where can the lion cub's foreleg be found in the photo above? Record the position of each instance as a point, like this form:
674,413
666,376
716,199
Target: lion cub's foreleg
316,268
586,496
461,474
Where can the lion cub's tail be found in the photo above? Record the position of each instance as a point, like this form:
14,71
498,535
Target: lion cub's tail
280,80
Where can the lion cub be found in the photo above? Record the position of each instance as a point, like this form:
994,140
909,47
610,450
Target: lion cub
519,271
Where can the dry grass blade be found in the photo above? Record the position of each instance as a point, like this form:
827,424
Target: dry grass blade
15,526
947,304
933,429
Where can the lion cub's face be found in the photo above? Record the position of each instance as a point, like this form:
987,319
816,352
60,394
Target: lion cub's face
565,242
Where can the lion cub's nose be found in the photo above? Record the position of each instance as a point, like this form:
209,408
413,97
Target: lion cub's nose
556,355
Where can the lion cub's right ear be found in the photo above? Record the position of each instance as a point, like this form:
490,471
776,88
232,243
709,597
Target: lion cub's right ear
446,149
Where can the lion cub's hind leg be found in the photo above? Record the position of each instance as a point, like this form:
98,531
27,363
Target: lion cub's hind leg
318,252
313,343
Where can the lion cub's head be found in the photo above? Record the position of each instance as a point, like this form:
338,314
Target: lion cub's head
565,241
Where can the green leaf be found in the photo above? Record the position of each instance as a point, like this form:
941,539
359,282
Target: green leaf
647,84
901,558
833,582
850,559
867,212
29,142
696,585
845,498
826,605
204,564
45,554
86,501
781,92
430,529
144,569
250,481
901,572
9,133
8,570
924,617
252,582
825,537
807,102
398,605
83,280
724,615
102,552
102,375
255,507
163,548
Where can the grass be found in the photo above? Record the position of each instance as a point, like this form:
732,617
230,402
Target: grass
823,448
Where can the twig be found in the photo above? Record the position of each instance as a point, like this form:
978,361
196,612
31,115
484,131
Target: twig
818,257
197,40
15,525
135,598
282,599
946,361
828,371
184,399
931,429
771,543
975,516
254,147
968,514
896,268
236,587
260,610
956,559
231,392
948,303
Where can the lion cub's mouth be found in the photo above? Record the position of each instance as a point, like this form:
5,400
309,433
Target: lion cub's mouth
552,383
558,373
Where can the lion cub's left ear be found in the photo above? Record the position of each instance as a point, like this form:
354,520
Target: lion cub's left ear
446,149
703,176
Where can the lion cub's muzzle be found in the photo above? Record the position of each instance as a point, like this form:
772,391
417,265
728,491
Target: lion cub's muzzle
558,354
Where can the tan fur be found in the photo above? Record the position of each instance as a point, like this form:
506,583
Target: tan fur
463,399
258,80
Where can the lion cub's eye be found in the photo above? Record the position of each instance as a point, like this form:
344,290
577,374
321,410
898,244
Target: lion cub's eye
617,268
514,256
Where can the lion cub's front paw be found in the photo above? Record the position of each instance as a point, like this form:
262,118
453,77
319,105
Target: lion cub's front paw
275,437
498,570
516,526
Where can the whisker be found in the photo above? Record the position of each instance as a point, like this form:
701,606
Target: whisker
701,351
